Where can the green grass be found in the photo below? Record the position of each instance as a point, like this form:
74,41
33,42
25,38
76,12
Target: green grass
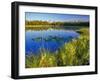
74,53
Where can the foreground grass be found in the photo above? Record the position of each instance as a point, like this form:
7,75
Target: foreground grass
74,53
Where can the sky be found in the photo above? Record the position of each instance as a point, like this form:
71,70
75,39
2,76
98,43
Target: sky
55,17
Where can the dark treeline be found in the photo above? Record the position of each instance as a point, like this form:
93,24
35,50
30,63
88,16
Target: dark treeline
57,23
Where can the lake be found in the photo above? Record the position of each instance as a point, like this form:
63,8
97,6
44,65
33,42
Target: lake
50,40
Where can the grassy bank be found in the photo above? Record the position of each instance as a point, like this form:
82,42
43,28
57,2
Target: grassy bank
74,53
46,27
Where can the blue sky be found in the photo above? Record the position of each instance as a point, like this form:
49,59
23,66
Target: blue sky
53,17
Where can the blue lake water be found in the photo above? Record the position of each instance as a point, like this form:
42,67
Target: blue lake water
50,40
